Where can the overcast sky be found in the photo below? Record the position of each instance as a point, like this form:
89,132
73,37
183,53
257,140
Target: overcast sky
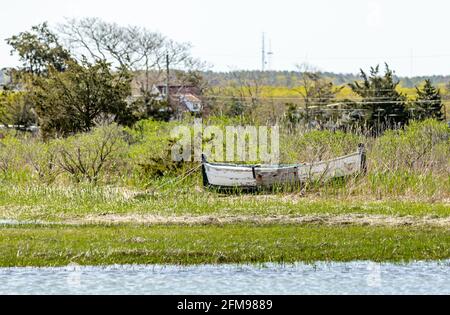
339,36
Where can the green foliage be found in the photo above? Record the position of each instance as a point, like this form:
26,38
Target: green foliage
317,145
39,50
155,109
16,109
236,108
92,155
421,147
428,103
412,162
82,97
150,152
293,116
10,151
316,90
212,244
42,159
292,79
384,105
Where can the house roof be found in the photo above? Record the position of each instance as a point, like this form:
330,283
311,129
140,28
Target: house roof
175,86
191,98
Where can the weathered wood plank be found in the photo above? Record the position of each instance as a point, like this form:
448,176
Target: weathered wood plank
231,175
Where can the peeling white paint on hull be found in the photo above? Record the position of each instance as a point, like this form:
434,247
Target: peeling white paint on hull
252,176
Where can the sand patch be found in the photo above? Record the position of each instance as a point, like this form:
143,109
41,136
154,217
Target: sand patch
331,220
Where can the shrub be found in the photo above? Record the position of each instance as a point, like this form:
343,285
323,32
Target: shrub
150,152
421,146
10,154
88,156
42,157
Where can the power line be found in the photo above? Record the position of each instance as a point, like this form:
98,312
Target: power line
296,89
361,100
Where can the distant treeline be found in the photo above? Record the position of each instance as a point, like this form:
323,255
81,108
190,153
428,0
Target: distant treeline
293,78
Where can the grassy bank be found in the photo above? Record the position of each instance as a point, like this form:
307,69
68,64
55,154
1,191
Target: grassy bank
101,245
408,164
398,211
55,204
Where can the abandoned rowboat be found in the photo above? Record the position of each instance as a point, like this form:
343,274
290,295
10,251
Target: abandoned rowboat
227,176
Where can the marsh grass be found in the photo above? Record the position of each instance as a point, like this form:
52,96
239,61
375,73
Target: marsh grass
410,166
57,204
102,245
408,175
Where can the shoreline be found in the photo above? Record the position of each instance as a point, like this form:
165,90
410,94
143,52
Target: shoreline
257,220
328,220
260,265
228,244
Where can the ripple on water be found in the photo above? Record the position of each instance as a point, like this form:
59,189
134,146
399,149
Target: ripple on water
318,278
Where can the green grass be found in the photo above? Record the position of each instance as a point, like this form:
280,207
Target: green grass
56,205
408,176
127,244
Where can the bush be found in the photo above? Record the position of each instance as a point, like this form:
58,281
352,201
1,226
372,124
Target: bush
421,146
413,162
10,154
150,152
42,157
88,156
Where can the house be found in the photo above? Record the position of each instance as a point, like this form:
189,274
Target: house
183,98
191,102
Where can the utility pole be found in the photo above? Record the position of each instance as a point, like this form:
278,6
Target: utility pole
167,79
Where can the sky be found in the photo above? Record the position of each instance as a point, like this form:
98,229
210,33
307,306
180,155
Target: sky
337,36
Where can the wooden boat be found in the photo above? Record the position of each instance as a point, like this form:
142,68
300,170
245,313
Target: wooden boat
225,176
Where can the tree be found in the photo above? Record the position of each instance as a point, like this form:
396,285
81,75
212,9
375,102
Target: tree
316,92
39,49
292,115
428,103
82,97
236,108
246,89
385,106
137,49
16,109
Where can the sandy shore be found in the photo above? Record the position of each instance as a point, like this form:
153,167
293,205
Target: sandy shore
330,220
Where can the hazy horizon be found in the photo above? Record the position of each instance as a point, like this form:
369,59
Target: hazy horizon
338,37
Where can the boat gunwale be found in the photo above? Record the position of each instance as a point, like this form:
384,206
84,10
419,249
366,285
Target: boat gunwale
250,167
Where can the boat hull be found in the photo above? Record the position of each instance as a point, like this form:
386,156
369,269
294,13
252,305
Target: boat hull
254,176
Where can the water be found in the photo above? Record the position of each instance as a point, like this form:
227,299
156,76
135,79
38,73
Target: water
320,278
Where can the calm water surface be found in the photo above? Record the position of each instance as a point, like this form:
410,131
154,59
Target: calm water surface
320,278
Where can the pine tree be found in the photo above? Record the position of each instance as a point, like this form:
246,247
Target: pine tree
383,104
428,103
